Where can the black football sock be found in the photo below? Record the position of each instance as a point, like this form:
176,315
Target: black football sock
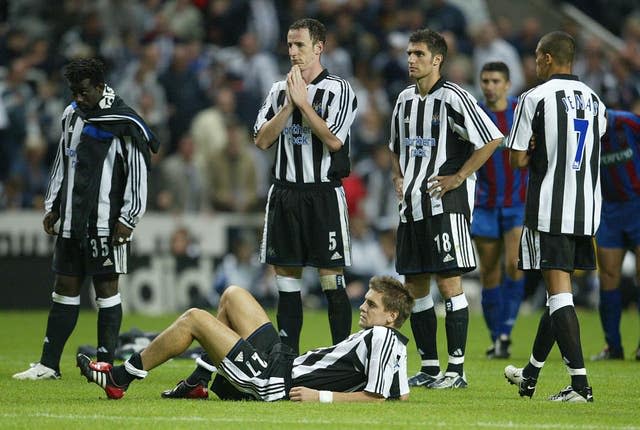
339,311
201,374
109,320
122,376
424,326
60,324
289,317
456,325
542,344
567,330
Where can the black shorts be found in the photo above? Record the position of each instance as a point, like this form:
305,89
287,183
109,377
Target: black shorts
306,226
436,244
94,255
540,250
258,368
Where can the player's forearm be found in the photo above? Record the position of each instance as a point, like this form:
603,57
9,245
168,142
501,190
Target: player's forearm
477,159
358,396
271,129
320,129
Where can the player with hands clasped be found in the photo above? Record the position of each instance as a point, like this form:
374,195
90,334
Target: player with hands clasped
307,117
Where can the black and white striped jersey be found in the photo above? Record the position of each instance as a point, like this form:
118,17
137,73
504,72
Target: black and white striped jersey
567,119
97,178
372,360
435,135
301,157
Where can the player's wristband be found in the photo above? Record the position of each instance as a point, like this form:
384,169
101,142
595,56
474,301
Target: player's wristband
325,396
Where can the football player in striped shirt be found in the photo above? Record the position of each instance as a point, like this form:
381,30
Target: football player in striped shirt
498,217
97,193
618,232
566,120
439,138
308,117
370,365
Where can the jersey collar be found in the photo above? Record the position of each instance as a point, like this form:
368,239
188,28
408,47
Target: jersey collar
564,76
320,77
439,83
400,336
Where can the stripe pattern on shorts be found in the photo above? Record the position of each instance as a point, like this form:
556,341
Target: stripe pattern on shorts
530,249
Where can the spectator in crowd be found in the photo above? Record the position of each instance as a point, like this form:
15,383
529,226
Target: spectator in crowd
17,96
443,16
182,187
243,264
594,70
390,65
232,173
380,206
141,88
254,69
368,257
183,19
30,173
208,126
184,95
490,47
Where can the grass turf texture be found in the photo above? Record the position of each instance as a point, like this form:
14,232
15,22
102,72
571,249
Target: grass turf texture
489,402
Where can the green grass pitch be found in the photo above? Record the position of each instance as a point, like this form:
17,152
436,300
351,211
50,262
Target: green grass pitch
489,402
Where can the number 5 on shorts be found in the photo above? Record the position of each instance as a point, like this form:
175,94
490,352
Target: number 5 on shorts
332,241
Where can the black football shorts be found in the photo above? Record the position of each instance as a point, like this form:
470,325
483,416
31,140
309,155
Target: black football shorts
437,244
306,226
540,250
95,255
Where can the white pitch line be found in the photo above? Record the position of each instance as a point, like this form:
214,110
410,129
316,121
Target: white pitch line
279,420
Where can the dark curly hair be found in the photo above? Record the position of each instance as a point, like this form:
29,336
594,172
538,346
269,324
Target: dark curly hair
82,68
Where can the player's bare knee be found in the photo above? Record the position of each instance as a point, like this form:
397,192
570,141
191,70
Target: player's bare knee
418,285
609,279
231,294
193,316
67,286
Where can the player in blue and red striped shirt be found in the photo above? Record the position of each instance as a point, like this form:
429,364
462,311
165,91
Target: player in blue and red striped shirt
498,217
619,227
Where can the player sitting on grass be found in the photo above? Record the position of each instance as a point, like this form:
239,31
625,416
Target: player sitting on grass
367,366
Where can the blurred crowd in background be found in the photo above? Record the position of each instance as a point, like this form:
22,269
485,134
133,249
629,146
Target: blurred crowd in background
198,71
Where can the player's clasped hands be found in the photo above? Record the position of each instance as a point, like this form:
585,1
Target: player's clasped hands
296,86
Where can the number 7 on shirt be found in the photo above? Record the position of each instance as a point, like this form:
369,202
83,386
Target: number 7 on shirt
580,126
